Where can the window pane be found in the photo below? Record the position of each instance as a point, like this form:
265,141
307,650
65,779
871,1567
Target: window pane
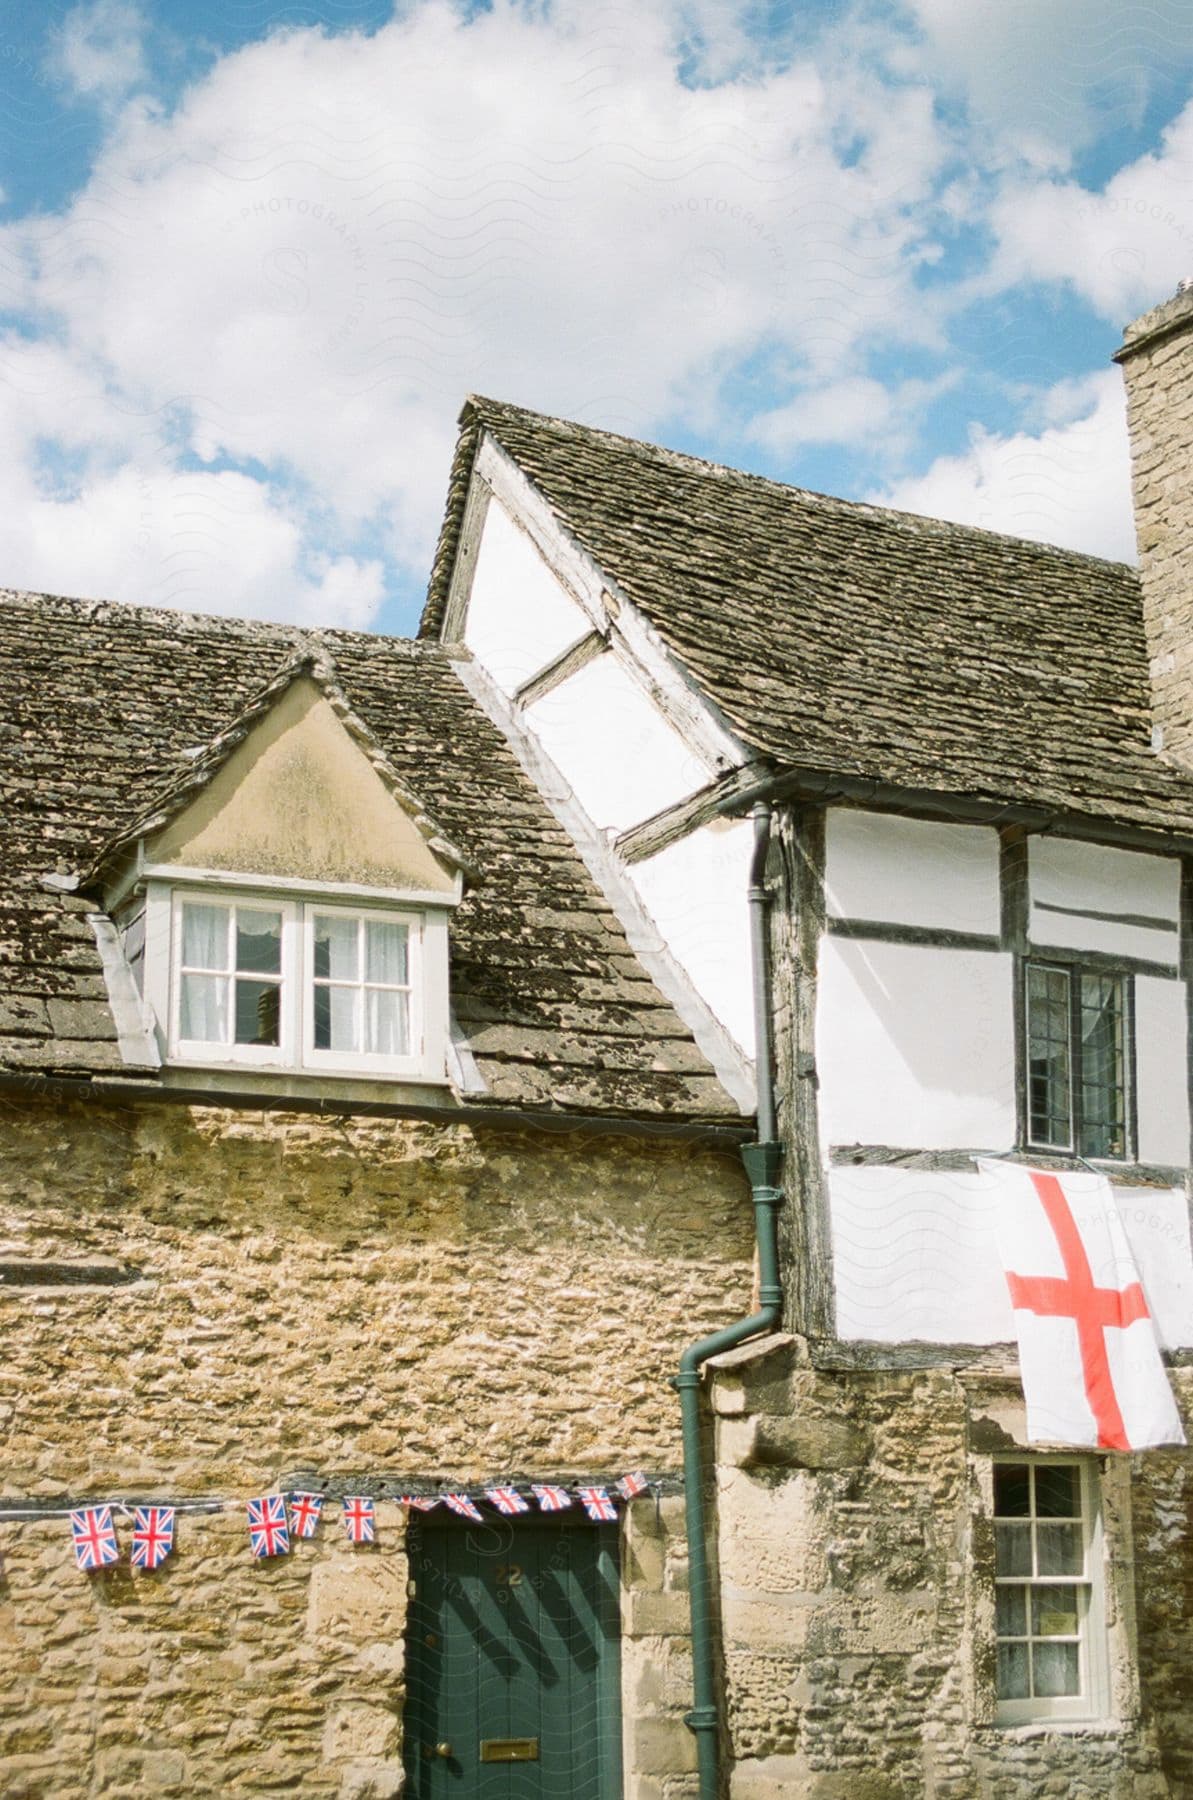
1012,1549
387,1022
336,1018
1056,1669
1012,1672
1011,1605
336,953
203,1015
259,942
1012,1492
1059,1550
1058,1491
1048,1056
204,936
258,1012
385,952
1054,1612
1103,1066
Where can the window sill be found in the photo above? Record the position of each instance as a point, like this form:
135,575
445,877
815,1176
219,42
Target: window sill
1027,1730
281,1084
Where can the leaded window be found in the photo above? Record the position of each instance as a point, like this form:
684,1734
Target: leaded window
1078,1060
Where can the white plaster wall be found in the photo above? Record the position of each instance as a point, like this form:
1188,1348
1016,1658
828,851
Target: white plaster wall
911,871
915,1257
1094,878
915,1046
608,739
519,615
1161,1086
696,893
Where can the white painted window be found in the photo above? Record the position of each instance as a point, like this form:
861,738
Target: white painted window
1049,1604
302,984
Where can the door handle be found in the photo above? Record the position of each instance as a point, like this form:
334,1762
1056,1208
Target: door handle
443,1750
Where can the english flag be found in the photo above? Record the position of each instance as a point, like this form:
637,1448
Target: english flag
460,1503
630,1486
1088,1356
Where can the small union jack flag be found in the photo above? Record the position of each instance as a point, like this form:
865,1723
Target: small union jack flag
630,1486
597,1503
460,1503
551,1499
305,1511
424,1502
506,1500
359,1521
268,1532
153,1536
95,1537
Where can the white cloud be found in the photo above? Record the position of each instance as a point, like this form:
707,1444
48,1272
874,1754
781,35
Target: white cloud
856,410
333,238
1042,78
1123,248
1067,484
98,52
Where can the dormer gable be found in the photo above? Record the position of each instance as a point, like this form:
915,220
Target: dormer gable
296,788
283,902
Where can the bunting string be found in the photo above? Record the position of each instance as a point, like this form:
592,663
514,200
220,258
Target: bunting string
277,1520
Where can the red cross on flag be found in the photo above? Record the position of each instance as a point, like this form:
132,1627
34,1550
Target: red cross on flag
1091,1367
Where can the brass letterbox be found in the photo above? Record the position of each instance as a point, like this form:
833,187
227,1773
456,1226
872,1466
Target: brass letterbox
509,1749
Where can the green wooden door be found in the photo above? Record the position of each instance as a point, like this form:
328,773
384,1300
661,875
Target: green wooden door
512,1679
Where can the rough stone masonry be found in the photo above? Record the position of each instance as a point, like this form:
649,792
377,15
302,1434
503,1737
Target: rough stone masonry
344,1295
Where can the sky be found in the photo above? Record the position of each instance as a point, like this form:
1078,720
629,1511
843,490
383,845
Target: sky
253,258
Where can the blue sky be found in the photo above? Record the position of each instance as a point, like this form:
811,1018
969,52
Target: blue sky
253,257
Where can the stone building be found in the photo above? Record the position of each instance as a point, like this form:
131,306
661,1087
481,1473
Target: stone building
382,1025
349,1146
973,752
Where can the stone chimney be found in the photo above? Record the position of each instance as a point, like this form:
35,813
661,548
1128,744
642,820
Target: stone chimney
1157,364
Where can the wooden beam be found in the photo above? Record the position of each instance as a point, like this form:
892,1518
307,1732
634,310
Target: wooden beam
676,822
569,662
880,932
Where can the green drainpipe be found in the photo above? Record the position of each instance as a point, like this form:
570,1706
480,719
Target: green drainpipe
763,1161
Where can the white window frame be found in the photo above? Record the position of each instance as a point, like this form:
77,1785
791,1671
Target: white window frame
203,1050
347,1061
295,1054
1094,1701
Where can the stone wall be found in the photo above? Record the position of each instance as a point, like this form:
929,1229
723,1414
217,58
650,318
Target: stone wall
353,1297
856,1560
1157,363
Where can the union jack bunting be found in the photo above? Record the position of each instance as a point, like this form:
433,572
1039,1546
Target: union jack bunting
506,1500
95,1537
460,1503
551,1499
359,1519
268,1532
153,1536
630,1486
305,1511
597,1503
424,1502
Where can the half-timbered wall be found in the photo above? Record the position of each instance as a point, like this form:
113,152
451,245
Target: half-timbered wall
620,760
917,1062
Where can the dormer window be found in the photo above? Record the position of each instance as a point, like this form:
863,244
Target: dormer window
297,984
283,908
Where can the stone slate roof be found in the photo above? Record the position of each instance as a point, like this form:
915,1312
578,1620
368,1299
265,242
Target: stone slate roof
856,641
99,705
